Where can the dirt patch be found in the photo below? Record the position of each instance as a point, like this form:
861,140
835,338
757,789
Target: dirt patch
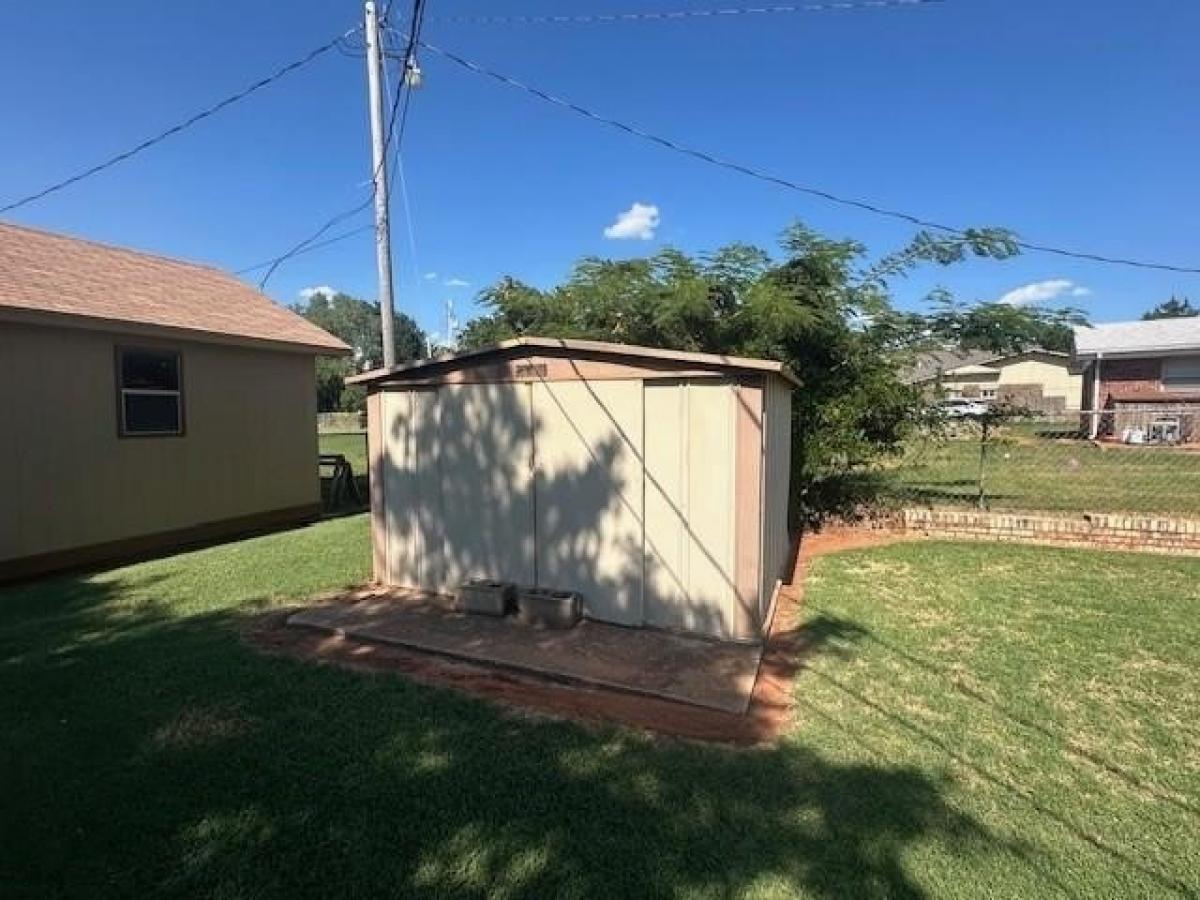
770,706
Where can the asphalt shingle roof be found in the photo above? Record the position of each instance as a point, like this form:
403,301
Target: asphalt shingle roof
928,365
42,272
1154,336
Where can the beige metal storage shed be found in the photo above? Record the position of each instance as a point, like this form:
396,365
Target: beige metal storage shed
653,482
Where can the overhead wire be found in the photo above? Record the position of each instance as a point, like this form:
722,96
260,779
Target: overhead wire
180,126
674,15
750,171
401,92
397,168
311,247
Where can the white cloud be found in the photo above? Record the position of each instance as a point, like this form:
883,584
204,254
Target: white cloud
430,276
456,282
309,292
639,221
1044,291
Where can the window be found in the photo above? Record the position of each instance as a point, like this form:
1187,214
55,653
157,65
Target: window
1181,373
149,392
988,393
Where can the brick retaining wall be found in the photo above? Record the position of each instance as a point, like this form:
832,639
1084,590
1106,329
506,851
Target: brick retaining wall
1154,534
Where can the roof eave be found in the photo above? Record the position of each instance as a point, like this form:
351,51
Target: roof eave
376,376
1129,352
56,319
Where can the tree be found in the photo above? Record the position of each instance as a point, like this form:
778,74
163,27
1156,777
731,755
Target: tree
356,322
1175,308
820,309
1001,327
989,422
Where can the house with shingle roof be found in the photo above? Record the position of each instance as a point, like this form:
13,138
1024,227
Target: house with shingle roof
147,403
1147,373
1045,380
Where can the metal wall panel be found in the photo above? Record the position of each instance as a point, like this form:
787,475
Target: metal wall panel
412,489
588,447
486,451
666,581
690,476
777,448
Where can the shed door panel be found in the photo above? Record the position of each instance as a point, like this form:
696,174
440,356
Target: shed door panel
486,453
412,489
588,439
689,505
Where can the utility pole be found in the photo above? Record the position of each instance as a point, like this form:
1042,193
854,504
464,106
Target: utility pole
383,235
451,325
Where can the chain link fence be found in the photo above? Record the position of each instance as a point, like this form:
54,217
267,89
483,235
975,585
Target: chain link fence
1129,460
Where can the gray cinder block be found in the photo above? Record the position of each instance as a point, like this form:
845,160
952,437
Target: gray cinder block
548,607
482,596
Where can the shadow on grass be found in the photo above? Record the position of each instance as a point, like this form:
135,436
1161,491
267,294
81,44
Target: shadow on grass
148,752
948,677
1017,792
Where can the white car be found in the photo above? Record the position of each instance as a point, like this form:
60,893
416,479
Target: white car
962,408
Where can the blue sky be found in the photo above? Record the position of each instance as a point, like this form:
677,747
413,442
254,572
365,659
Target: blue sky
1072,121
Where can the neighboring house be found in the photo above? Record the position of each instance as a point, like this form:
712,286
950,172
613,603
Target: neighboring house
1044,380
1147,373
146,403
653,482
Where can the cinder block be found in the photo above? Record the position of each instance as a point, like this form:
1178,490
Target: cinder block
482,596
549,607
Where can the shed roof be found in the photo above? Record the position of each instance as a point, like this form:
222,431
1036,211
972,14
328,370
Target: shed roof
53,277
571,347
1148,338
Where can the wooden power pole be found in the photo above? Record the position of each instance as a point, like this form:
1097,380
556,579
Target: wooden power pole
379,138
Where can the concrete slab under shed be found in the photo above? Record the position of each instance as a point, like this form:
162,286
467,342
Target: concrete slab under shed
684,669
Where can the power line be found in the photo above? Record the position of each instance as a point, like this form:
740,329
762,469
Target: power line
414,37
397,167
408,217
181,126
311,247
401,92
743,169
612,18
304,245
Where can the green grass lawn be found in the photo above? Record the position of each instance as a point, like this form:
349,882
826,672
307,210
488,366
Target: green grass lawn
1049,475
974,720
351,446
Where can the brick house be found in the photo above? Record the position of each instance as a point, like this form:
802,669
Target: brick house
1147,373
